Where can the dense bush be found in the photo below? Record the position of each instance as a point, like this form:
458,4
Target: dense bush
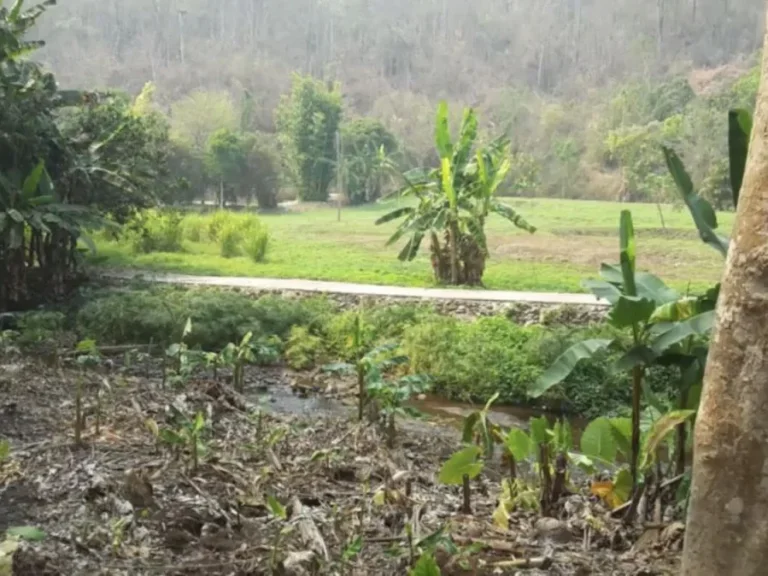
158,315
474,360
155,231
229,243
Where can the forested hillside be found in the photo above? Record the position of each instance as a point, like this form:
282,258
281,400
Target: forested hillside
586,89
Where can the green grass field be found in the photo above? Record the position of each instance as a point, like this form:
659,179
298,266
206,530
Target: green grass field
573,238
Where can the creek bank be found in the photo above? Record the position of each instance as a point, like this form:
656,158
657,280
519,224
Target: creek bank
523,313
123,505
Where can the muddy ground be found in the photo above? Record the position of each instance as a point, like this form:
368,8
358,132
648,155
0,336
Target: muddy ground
275,492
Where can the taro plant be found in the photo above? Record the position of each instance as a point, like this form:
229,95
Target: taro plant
454,201
479,430
607,441
639,302
390,397
186,433
460,469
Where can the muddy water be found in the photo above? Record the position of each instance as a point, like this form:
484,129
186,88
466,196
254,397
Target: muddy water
282,398
504,415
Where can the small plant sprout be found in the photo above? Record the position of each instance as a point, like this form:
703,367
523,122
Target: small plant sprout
88,357
183,362
391,396
281,514
237,356
189,434
351,551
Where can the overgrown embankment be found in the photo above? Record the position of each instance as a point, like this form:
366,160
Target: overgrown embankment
470,351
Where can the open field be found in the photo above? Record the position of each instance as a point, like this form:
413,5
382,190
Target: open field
574,237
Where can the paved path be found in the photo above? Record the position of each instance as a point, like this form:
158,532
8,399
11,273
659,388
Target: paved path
274,284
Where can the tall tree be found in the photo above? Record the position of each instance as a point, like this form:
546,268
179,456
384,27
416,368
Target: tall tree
727,533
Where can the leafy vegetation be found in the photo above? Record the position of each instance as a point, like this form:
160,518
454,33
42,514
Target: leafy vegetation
308,121
454,201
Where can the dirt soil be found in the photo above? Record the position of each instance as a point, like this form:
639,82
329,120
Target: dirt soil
123,503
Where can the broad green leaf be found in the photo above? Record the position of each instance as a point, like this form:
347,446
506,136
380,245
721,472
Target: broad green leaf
470,422
653,288
612,274
394,215
539,427
630,311
467,136
15,215
702,212
426,566
636,356
463,463
518,443
597,440
603,290
739,131
565,364
699,325
442,132
510,214
277,509
660,430
627,252
681,309
32,181
28,533
622,434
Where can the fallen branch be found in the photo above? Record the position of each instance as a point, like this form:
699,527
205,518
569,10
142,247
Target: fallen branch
542,563
309,532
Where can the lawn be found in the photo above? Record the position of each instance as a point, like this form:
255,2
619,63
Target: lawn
573,238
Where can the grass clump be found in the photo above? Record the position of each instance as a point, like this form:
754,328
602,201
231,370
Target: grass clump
155,231
230,242
255,244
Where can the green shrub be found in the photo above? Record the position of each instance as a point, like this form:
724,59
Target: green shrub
474,360
217,222
36,327
230,242
195,227
218,317
255,244
155,231
303,350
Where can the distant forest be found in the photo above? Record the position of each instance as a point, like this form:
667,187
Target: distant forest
585,89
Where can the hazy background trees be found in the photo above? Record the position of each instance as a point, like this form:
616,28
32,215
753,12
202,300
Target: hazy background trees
585,89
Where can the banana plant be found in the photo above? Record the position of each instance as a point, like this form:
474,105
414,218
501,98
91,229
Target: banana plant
641,304
453,201
704,216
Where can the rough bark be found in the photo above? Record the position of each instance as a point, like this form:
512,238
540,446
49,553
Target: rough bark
727,533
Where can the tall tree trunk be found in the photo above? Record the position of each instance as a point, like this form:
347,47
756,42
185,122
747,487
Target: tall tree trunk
727,532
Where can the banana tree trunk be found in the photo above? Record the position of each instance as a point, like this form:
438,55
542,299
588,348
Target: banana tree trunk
454,241
727,530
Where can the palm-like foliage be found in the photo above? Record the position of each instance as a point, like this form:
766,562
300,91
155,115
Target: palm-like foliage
453,202
39,229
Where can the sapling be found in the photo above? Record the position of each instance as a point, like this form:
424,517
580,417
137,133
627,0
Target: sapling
189,434
88,356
